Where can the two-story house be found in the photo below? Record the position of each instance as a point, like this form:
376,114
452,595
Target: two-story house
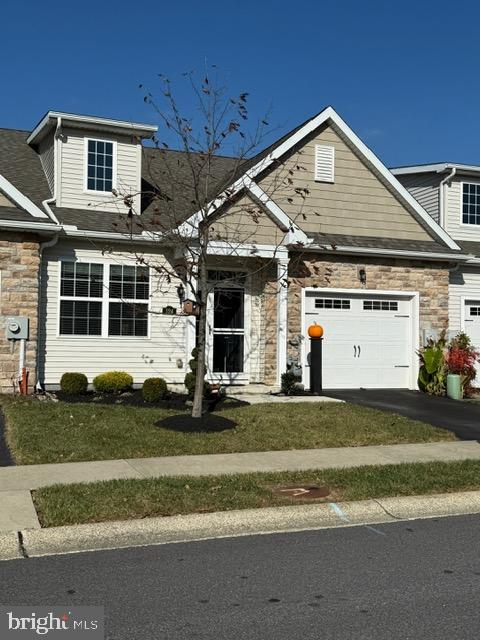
362,257
450,193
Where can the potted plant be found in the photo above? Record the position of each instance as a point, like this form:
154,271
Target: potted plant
460,360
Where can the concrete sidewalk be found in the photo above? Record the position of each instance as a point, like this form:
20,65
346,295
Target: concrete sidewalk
16,482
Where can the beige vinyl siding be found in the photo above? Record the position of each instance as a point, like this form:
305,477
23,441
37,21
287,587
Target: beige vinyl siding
356,203
464,284
425,188
141,357
245,222
5,202
453,211
72,192
46,152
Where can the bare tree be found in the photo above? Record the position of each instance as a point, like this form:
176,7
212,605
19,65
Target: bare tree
188,191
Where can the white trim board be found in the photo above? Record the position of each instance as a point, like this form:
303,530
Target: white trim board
414,296
21,200
90,121
329,114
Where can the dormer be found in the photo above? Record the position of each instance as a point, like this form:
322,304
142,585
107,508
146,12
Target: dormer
87,158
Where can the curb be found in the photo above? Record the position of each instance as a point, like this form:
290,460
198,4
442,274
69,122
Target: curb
188,528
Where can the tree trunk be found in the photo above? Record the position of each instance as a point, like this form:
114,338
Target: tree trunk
201,342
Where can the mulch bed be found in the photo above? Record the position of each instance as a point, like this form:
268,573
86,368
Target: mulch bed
175,401
209,422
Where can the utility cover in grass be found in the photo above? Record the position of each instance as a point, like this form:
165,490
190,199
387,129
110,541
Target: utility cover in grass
209,422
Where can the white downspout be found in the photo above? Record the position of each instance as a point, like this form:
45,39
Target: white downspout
43,245
442,196
49,201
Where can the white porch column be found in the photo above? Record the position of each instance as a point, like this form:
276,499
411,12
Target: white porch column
282,298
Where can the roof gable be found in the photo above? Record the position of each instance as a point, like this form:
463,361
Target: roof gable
353,201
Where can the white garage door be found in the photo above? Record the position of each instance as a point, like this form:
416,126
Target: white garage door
472,325
367,341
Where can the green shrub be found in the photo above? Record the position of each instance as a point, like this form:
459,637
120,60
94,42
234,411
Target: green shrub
113,382
74,384
191,376
289,383
154,389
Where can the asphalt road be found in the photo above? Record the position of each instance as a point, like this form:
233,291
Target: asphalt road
417,579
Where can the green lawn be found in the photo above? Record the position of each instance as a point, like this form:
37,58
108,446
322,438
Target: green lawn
122,499
42,432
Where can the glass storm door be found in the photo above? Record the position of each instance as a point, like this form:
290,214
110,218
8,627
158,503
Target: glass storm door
226,329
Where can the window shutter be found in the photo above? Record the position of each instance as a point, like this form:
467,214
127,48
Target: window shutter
324,163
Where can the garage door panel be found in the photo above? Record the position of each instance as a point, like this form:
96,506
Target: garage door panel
365,345
337,354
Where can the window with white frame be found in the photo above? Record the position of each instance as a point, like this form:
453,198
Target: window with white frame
81,299
331,303
380,305
128,301
100,165
471,203
84,297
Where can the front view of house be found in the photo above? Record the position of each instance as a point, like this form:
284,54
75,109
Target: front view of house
359,255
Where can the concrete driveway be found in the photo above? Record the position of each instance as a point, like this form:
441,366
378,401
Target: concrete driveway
463,418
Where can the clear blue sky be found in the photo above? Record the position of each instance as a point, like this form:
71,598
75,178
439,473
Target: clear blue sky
405,75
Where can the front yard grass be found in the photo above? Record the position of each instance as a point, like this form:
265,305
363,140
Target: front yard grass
123,499
42,432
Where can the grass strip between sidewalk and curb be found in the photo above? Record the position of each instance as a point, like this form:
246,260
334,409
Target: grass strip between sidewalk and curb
41,433
59,505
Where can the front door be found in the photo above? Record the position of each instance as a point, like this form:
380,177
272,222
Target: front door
227,343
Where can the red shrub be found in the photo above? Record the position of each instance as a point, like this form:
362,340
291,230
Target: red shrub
462,361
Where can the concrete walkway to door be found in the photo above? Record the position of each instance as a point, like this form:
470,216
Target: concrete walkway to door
462,418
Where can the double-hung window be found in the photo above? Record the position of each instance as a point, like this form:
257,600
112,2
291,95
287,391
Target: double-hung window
81,296
103,300
471,203
100,165
128,301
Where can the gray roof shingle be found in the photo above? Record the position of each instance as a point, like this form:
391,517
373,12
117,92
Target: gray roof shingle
21,166
370,242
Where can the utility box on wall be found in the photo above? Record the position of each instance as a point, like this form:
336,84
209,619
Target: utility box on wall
16,328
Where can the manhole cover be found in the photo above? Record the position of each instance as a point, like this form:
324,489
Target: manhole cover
302,491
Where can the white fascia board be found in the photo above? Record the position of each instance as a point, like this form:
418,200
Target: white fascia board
21,200
138,127
296,235
105,235
440,167
219,248
30,226
423,255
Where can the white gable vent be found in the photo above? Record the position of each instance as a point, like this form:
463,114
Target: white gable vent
324,163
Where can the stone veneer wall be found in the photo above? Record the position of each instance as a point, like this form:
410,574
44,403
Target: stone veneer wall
19,265
430,279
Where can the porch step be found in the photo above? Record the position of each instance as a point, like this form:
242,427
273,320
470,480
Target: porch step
251,390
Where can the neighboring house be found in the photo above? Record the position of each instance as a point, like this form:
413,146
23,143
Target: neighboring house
363,257
450,193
